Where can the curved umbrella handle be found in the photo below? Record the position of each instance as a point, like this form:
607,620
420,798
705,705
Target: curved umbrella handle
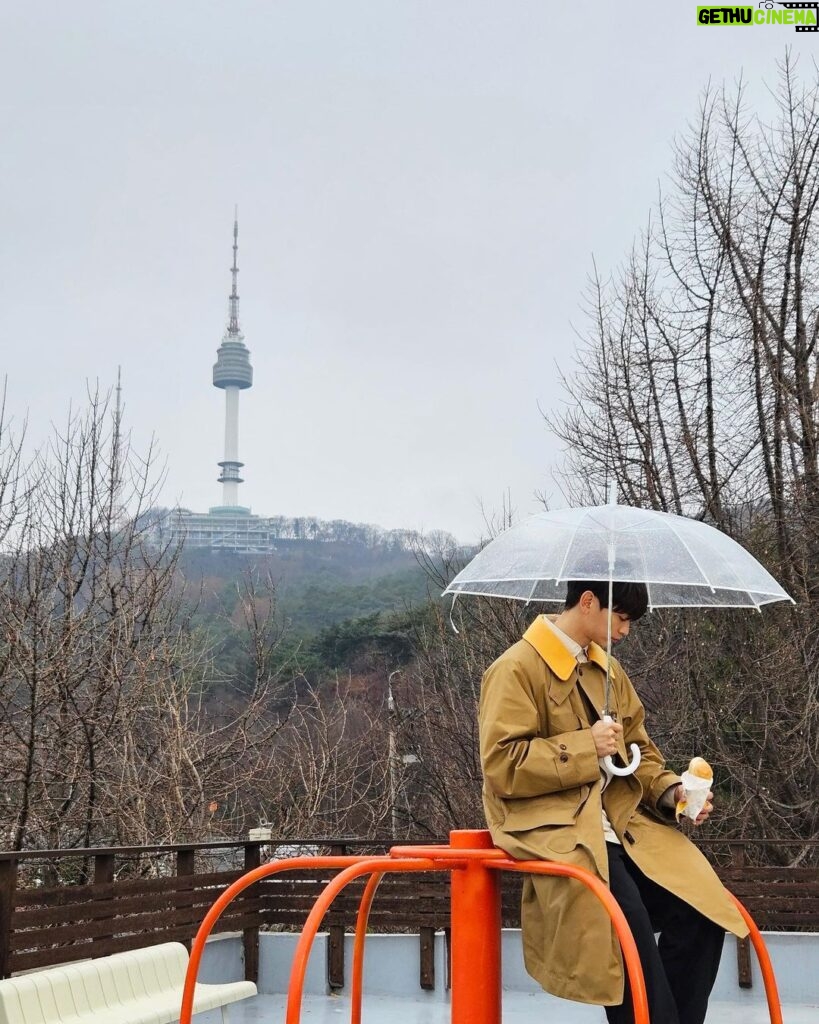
630,768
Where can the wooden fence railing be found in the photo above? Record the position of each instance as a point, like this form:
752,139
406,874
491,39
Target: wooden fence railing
58,906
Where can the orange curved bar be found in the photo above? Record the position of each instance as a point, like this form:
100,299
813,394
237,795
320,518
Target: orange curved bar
358,947
448,852
301,955
227,897
612,907
472,857
765,965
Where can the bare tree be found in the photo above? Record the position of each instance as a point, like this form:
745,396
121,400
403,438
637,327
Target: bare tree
696,390
105,730
439,692
331,770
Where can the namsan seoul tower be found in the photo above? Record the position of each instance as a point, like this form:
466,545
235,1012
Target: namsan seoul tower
232,372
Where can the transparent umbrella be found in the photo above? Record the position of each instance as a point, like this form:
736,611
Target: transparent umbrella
684,563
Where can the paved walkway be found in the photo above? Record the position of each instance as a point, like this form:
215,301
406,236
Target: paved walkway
518,1008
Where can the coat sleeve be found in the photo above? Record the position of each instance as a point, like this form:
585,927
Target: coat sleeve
518,761
652,773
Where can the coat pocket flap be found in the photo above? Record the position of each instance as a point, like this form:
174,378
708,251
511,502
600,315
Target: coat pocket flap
549,809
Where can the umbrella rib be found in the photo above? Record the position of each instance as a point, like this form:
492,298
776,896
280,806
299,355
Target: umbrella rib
532,591
559,576
694,558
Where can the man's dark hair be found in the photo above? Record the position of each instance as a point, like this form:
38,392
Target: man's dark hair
627,598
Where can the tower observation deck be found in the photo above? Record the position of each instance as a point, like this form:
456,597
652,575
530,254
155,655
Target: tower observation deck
233,373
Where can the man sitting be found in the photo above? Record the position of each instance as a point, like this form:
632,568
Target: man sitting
546,796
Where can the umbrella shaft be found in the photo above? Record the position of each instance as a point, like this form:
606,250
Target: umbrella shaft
606,708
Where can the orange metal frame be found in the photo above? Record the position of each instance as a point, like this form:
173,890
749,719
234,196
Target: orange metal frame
474,864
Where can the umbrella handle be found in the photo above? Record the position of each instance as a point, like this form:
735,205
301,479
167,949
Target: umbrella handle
631,768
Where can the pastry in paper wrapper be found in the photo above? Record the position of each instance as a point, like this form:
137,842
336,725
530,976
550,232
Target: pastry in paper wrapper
697,782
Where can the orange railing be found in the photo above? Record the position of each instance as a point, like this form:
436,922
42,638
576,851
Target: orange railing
476,923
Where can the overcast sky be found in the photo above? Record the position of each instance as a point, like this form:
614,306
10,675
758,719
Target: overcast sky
421,187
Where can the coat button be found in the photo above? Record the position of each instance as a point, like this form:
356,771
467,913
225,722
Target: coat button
563,746
564,757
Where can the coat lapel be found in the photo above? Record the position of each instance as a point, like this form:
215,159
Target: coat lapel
560,661
565,675
564,666
593,683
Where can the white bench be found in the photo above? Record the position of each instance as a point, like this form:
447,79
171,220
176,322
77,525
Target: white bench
143,986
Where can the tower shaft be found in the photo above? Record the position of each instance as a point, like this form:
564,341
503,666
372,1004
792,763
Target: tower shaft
229,477
232,372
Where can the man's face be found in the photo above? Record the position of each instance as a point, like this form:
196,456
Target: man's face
597,622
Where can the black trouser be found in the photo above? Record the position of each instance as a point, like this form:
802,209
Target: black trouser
681,968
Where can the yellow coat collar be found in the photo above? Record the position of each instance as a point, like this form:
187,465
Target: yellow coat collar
547,644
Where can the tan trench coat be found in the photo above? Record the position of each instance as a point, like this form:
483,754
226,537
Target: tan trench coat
542,797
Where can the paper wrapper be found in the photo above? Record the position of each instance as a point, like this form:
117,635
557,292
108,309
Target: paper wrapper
695,793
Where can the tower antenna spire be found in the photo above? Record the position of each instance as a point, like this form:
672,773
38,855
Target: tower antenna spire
233,325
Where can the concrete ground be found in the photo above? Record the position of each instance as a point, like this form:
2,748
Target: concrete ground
392,994
518,1008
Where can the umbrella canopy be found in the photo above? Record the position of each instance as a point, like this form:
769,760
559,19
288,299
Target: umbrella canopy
683,562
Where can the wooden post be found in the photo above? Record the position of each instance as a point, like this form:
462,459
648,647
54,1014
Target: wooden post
185,865
185,860
335,937
744,975
103,873
427,976
8,886
250,936
476,935
103,868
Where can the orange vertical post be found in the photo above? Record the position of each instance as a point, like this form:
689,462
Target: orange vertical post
476,935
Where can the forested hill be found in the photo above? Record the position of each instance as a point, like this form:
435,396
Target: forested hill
335,598
318,583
